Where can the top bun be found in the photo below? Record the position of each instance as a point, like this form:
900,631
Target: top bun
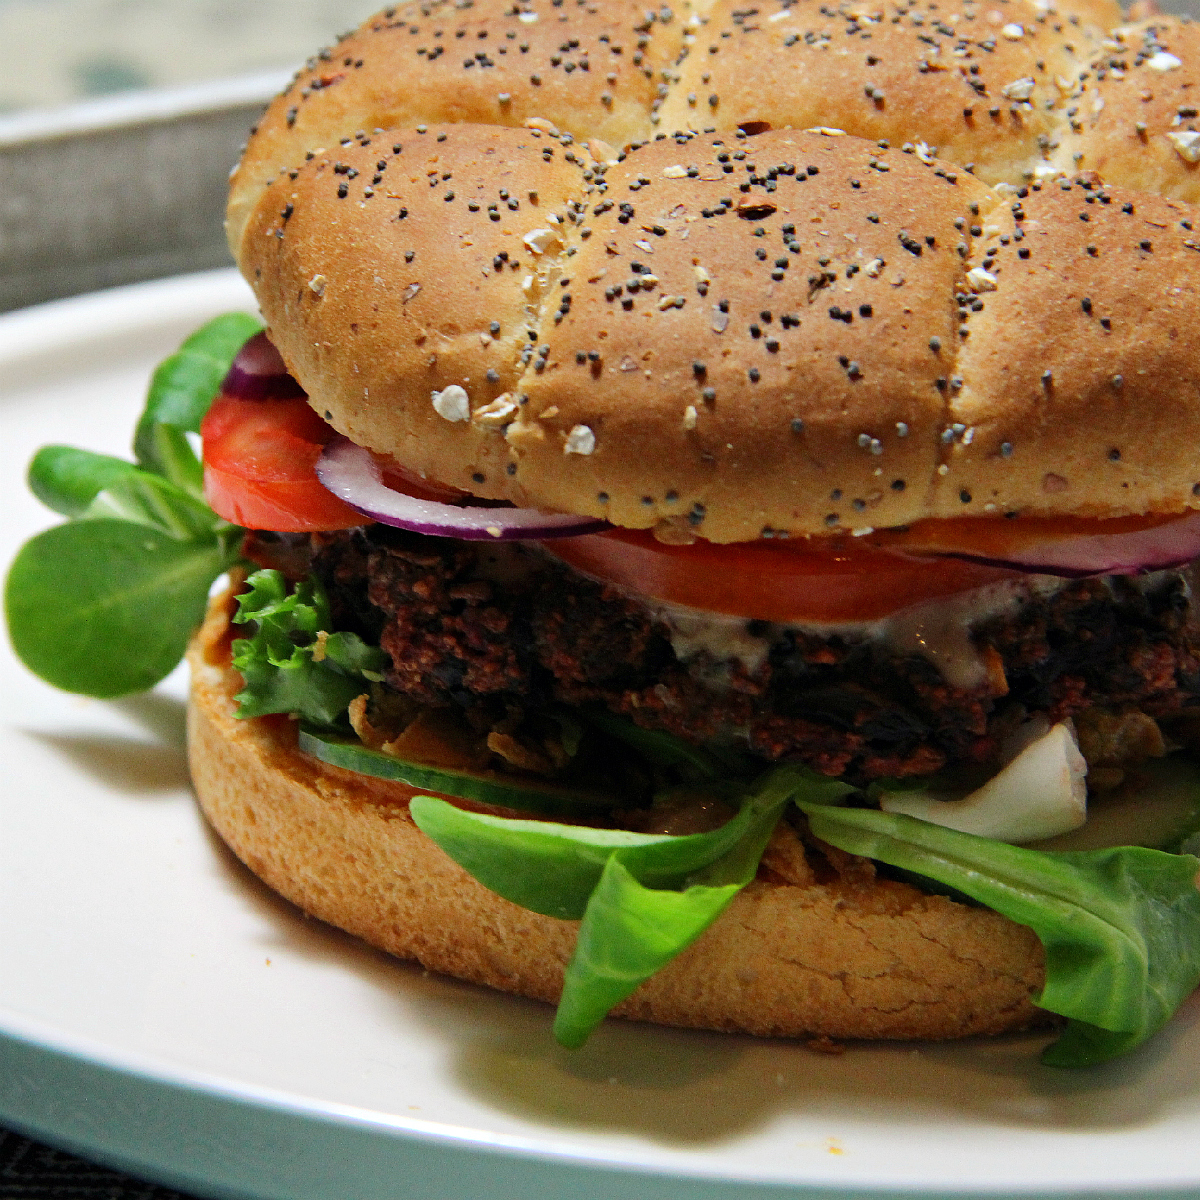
480,251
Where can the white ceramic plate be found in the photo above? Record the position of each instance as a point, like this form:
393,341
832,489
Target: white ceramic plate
159,1008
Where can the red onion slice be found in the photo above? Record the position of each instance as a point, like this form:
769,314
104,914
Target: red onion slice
259,373
353,475
1133,552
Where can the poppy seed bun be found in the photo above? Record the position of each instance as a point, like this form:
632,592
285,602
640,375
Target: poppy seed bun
864,343
1136,117
871,959
721,335
408,65
1079,377
905,80
380,302
623,71
779,334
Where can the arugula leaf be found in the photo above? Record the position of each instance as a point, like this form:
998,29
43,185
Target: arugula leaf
1121,927
292,664
181,391
630,930
106,607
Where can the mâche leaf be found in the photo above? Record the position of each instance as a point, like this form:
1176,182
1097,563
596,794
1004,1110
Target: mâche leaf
105,607
553,869
81,484
293,663
68,480
1119,926
145,499
181,392
642,898
105,604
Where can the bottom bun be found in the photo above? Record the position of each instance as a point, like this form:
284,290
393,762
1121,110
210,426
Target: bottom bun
847,957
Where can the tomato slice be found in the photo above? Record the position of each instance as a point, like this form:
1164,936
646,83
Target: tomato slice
260,460
820,580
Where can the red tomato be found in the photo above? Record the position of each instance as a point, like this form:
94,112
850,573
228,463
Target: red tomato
260,460
834,580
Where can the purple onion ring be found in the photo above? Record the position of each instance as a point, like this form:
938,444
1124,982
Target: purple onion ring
352,474
1137,552
259,373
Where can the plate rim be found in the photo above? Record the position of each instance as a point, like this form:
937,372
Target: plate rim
243,1117
444,1151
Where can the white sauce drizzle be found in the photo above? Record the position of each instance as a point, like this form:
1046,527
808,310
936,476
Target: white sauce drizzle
938,630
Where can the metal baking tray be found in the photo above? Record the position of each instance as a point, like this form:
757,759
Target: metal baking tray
122,189
132,187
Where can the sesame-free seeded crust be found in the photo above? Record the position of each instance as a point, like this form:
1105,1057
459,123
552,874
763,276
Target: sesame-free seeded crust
735,336
1132,122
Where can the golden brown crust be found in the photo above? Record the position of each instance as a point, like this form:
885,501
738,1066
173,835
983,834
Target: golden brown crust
937,75
497,261
379,294
781,360
1132,116
407,66
841,959
1079,381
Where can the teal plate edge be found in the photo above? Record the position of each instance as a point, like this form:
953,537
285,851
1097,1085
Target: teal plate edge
223,1146
230,1147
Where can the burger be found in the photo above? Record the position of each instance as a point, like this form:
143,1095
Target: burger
721,496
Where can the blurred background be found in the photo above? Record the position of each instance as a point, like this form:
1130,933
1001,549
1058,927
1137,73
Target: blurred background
119,122
61,51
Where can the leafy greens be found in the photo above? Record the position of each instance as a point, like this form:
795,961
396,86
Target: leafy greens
104,605
293,664
1121,927
642,898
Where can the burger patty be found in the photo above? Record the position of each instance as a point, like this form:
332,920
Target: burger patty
506,627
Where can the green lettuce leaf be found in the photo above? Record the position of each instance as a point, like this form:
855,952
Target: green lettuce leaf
105,604
1120,927
552,868
144,499
631,930
287,666
68,480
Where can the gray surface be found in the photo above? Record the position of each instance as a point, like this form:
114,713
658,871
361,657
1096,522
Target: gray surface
120,190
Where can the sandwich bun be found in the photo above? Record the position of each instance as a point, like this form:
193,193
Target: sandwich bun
799,331
801,951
